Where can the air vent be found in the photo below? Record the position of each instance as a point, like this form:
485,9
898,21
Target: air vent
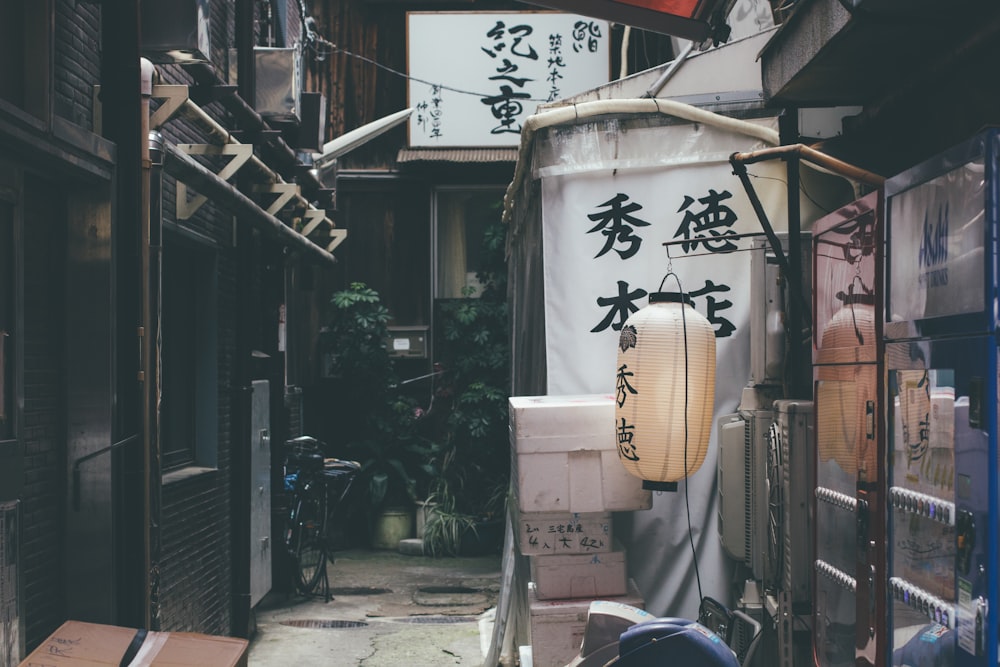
279,83
176,31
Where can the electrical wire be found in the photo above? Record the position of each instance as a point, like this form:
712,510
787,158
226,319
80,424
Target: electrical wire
802,189
687,499
316,42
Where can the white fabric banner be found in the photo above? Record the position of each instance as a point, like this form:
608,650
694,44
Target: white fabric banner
603,236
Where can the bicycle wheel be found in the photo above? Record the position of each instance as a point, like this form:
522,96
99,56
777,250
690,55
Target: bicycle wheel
308,543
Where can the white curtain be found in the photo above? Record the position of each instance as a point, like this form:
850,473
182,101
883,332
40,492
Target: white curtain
451,244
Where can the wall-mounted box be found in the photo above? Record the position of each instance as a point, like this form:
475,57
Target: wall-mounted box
591,576
312,128
408,342
565,456
557,627
278,83
176,31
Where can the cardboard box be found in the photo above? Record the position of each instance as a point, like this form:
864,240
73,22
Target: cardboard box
79,644
565,456
564,533
557,627
588,576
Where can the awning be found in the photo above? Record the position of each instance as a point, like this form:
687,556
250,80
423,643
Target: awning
358,136
464,155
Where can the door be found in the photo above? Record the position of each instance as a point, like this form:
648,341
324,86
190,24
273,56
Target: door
260,492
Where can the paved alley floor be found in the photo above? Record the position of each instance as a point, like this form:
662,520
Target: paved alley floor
387,609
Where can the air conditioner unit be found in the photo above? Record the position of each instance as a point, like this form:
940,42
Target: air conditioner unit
175,31
278,83
769,300
793,430
743,489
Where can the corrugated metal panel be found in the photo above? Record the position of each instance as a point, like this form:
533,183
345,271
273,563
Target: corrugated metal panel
457,155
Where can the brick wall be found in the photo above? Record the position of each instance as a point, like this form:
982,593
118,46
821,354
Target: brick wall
42,515
77,60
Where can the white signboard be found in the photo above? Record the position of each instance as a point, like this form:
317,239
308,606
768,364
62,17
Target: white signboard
603,239
937,246
474,77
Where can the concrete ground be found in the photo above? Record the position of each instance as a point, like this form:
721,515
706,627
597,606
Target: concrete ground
387,609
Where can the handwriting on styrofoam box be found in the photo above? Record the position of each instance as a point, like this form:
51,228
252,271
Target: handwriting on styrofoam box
565,533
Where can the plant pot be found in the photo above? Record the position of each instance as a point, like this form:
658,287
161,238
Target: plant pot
424,512
391,526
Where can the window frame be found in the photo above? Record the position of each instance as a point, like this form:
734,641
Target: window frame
436,211
197,374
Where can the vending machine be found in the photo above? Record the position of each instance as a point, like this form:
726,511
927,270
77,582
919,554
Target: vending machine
942,375
849,559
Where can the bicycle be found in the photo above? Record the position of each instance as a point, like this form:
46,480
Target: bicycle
317,485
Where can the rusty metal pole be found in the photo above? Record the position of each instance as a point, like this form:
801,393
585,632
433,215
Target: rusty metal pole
150,363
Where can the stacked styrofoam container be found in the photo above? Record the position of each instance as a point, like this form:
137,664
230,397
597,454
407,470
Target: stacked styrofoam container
567,481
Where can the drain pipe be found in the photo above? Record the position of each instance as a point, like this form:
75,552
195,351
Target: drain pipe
149,233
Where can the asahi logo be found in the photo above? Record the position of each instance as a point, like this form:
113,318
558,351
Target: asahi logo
934,249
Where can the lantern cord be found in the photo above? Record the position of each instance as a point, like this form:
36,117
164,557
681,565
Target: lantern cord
687,500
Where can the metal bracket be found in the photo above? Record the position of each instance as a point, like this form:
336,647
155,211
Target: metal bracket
315,218
285,192
174,97
338,236
240,153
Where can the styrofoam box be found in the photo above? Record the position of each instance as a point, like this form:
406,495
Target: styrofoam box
580,576
565,456
557,626
564,532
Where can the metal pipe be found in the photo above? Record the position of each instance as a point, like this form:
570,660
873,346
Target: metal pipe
812,155
182,167
248,118
221,135
149,369
242,380
793,154
668,73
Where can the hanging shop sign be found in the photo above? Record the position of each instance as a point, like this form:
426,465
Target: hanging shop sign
474,77
603,243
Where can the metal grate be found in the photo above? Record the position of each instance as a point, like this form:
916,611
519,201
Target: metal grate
448,590
436,619
359,590
324,624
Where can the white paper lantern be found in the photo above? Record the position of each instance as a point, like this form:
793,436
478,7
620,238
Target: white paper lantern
665,390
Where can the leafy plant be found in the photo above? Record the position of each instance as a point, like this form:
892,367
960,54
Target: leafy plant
473,345
445,527
379,426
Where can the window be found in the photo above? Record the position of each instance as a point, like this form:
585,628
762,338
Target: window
461,217
188,416
24,50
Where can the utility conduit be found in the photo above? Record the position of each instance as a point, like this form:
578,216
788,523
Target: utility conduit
180,166
574,114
